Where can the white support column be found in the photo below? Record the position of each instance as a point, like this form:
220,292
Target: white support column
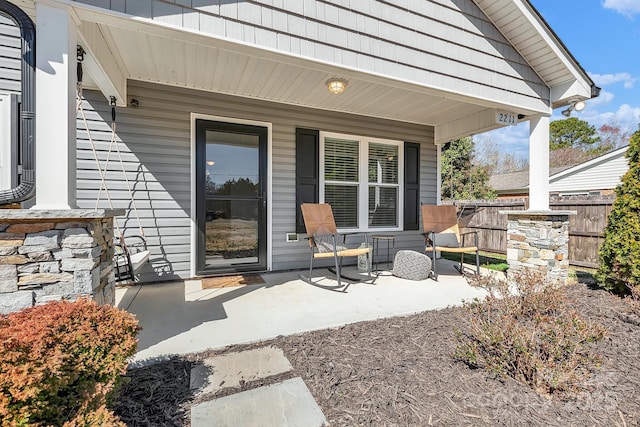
539,164
55,107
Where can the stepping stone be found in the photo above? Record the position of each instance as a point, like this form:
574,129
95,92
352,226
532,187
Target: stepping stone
288,403
228,370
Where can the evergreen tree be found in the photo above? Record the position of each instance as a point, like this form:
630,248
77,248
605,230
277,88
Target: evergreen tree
620,252
572,132
461,180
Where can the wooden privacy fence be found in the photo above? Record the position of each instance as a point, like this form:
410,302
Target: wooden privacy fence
585,228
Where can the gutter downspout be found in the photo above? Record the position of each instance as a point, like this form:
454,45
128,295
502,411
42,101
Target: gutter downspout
26,189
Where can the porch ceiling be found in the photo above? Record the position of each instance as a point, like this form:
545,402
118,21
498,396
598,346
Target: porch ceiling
150,52
209,67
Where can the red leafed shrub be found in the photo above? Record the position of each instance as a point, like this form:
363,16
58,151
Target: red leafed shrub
61,362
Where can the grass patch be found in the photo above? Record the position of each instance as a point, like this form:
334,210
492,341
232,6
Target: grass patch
497,262
582,275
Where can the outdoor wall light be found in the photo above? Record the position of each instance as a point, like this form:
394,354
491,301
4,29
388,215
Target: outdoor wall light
210,162
336,85
576,105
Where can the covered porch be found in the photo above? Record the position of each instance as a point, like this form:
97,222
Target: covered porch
165,73
416,77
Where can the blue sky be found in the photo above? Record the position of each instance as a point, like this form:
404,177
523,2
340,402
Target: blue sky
604,37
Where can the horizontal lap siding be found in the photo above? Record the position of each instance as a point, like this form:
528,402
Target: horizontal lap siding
10,53
603,176
156,151
446,43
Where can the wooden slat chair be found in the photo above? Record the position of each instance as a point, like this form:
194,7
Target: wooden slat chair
325,242
441,232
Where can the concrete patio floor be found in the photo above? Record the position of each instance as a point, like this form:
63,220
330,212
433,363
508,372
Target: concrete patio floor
182,317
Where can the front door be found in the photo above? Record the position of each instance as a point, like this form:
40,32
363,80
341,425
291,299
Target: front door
231,186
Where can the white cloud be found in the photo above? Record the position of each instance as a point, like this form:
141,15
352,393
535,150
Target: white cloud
625,7
608,79
512,139
604,98
627,118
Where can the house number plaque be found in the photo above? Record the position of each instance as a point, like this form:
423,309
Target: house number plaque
506,118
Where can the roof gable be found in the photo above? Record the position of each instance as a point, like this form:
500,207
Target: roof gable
536,41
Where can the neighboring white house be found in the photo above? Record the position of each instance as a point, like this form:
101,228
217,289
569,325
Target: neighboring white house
225,121
598,176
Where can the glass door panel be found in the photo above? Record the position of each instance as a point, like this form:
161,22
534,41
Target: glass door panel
232,197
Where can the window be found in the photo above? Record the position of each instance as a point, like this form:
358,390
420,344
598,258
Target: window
360,179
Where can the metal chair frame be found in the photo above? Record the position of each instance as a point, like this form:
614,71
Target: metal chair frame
128,258
326,242
438,219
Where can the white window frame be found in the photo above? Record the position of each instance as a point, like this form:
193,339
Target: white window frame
363,179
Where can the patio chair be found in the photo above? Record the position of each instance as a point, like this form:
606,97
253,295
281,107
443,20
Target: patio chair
441,232
325,242
129,258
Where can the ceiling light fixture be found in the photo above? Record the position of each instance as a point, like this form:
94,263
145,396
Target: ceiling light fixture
336,85
576,105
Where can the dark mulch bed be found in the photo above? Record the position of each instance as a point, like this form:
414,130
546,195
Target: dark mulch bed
400,371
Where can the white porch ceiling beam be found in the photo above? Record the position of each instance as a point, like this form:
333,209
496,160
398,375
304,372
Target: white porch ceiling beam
101,64
480,122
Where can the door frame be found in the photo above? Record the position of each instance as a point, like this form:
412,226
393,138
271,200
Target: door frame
193,205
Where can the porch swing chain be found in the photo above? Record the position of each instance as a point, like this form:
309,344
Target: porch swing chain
115,144
112,143
80,108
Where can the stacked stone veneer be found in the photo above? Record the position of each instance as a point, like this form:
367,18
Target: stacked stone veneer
54,255
539,240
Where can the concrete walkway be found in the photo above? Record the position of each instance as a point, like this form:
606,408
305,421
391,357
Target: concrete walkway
284,403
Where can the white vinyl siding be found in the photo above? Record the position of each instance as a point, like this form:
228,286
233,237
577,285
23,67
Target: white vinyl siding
603,175
10,54
155,143
10,78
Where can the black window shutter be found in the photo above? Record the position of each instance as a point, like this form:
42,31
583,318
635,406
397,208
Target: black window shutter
411,186
307,171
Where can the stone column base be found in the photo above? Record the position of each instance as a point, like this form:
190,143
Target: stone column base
54,255
539,240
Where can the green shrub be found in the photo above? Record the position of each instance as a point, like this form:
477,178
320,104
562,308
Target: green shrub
527,331
620,251
60,363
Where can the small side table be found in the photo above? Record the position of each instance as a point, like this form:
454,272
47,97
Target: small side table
391,240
